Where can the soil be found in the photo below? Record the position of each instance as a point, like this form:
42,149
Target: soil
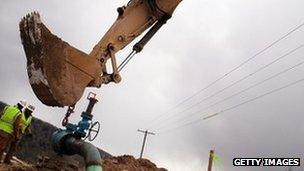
62,163
129,163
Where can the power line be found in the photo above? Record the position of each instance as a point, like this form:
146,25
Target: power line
238,93
228,73
235,106
236,82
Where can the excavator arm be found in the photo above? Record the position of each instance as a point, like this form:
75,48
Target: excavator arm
59,73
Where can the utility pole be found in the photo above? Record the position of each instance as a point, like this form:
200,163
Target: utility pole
211,156
144,140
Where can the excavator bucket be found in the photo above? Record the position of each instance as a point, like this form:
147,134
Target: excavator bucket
58,72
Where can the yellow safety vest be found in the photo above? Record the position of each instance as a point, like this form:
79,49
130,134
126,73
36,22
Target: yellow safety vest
9,116
25,122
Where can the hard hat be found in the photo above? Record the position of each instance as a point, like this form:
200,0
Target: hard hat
22,103
30,108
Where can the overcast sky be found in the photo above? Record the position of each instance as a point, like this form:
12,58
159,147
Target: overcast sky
202,41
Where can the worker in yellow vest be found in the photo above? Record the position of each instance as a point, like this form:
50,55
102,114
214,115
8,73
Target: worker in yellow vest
26,119
10,124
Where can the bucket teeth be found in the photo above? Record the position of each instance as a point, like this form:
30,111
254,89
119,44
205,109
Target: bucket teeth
30,33
54,81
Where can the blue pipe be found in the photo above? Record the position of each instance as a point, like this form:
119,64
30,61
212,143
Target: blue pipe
66,143
69,141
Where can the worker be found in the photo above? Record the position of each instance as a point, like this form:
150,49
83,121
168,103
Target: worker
10,124
26,119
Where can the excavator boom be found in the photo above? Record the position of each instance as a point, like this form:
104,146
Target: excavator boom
59,73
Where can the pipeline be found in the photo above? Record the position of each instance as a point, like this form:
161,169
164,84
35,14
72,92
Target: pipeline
89,152
67,144
69,141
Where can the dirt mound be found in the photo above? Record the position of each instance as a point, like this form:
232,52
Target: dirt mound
58,162
129,163
61,163
121,163
17,165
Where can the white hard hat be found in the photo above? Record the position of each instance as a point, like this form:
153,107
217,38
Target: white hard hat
22,103
31,108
